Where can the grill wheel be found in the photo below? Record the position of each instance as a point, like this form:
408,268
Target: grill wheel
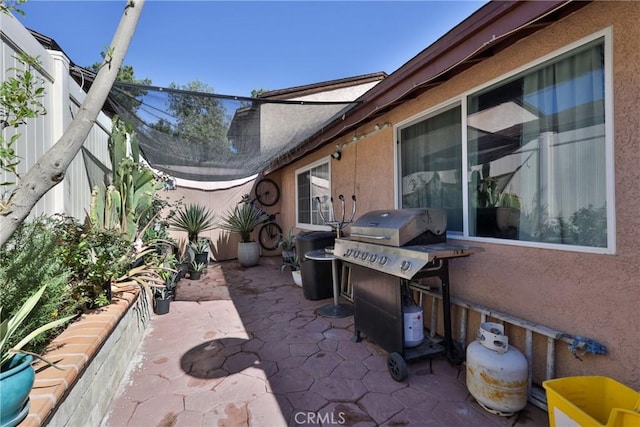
397,366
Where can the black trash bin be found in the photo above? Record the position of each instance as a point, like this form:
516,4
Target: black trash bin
317,281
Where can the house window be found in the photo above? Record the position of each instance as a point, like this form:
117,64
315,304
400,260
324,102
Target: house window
431,165
536,154
313,182
535,160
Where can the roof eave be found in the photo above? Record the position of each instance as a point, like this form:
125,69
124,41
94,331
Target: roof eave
320,87
490,29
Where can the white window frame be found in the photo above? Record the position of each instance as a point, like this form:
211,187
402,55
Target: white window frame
461,100
306,168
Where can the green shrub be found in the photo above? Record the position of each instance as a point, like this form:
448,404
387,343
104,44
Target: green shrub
29,260
95,257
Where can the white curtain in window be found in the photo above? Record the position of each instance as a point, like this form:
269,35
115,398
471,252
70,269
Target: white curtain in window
431,165
564,184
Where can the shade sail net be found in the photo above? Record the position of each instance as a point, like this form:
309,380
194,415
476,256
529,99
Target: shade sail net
210,137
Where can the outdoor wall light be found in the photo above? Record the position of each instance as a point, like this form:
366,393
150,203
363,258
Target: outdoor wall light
336,155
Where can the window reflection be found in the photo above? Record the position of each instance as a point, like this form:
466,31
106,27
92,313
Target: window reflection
536,147
431,165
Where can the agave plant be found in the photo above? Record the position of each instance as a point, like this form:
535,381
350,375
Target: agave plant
197,266
242,220
201,246
194,219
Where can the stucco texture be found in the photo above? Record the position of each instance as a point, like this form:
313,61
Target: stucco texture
224,245
597,296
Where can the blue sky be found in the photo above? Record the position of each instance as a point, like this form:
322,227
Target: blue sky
241,45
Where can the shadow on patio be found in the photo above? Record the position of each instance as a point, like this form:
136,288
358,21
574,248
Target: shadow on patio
242,346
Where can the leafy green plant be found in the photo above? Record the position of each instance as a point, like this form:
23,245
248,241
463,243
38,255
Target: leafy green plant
95,256
588,227
161,292
194,219
288,242
170,261
488,193
20,96
10,325
242,219
197,266
166,289
292,263
200,247
144,271
28,260
7,6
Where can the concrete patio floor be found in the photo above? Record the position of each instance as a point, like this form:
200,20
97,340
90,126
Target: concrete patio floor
243,347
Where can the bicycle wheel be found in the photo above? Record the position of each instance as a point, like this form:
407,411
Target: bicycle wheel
269,236
267,192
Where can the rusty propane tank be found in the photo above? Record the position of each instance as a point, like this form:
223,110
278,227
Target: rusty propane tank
496,373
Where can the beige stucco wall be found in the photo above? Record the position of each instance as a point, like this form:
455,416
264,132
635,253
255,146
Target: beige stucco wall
224,245
597,296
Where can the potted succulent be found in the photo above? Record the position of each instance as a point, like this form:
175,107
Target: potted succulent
497,212
243,219
200,250
183,258
196,270
164,293
294,264
16,374
194,219
161,299
287,244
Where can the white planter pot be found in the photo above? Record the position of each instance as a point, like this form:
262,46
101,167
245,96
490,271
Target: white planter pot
248,253
297,277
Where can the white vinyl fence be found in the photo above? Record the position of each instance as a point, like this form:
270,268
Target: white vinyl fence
62,101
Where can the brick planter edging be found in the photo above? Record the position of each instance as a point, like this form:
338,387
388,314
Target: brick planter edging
95,353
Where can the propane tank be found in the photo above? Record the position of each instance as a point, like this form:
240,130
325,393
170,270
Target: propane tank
413,325
496,373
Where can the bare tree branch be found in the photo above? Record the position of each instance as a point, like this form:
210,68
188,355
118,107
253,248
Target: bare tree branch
49,170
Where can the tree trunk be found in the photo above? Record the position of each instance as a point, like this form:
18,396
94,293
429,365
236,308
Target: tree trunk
49,170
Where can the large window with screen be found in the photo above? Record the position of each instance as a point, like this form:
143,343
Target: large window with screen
523,159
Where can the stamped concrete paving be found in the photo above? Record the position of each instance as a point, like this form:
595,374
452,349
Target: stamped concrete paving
243,347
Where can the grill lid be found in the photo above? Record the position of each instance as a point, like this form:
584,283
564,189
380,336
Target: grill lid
397,227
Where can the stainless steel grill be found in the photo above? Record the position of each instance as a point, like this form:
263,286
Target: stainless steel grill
385,250
399,242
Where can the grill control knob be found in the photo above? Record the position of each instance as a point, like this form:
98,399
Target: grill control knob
356,254
383,260
348,253
405,266
364,256
373,258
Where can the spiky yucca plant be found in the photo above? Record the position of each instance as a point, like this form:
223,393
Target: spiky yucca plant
194,219
243,219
